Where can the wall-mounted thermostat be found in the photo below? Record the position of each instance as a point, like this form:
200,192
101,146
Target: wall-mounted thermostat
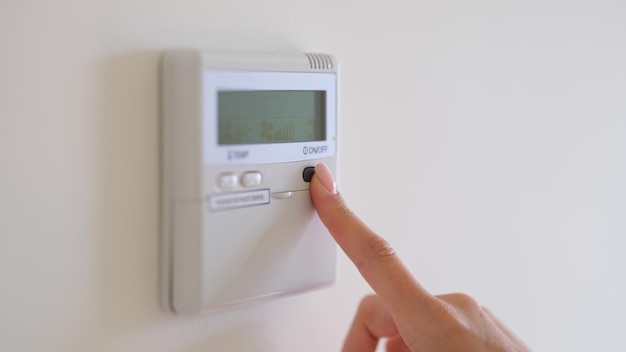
240,134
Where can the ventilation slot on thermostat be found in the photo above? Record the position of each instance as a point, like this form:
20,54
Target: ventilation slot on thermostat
320,61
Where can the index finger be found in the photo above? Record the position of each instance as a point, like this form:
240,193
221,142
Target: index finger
375,259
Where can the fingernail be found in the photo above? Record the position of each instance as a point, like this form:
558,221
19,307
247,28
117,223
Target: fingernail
326,177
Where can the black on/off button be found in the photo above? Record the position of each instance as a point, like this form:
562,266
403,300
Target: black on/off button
307,173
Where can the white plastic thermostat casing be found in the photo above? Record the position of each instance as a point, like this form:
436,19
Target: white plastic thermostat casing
238,224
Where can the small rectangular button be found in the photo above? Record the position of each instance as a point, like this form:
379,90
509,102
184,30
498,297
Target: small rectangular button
251,179
307,173
227,181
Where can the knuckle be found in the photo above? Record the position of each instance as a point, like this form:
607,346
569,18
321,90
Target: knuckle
379,249
454,323
459,314
467,301
486,311
369,299
368,303
463,301
450,324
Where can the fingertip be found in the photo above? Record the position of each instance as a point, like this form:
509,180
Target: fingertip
326,199
323,173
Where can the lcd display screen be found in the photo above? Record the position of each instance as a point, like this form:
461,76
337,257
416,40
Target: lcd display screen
281,116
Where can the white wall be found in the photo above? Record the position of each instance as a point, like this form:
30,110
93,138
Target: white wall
484,139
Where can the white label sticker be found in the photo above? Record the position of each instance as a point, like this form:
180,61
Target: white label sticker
232,200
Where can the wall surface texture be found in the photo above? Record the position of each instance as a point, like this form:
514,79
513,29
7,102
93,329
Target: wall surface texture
484,139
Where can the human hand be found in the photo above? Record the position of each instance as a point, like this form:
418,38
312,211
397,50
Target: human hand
402,310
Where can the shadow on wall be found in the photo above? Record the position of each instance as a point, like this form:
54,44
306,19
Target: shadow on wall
129,314
130,228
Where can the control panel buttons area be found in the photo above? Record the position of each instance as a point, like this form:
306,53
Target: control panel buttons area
230,181
251,179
